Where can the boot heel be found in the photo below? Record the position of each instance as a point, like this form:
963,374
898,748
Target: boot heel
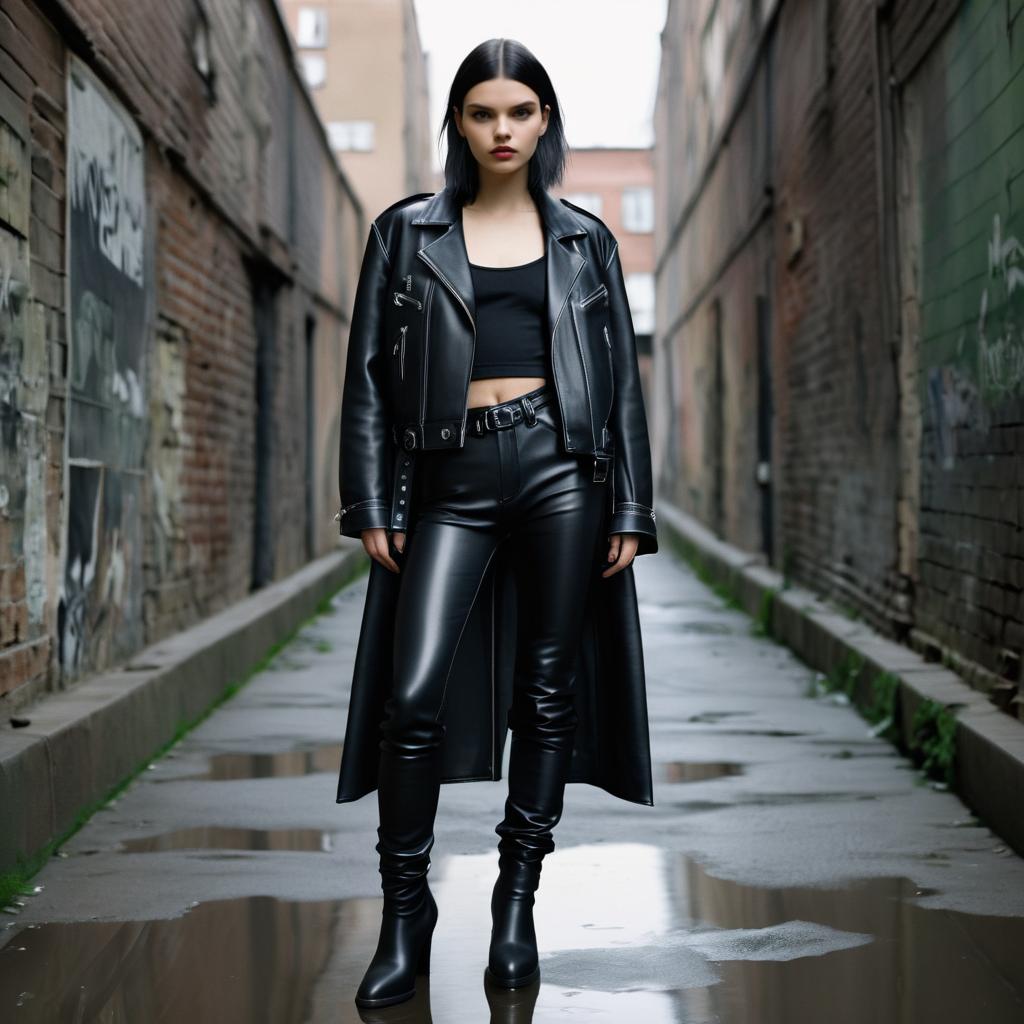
423,964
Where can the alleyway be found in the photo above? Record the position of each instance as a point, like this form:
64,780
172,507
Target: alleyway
793,869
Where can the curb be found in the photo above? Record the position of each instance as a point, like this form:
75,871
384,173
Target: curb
85,741
988,743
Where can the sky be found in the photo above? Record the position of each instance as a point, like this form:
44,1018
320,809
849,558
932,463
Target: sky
602,56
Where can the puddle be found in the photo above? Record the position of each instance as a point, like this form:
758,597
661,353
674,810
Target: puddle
214,837
282,764
626,931
700,771
786,799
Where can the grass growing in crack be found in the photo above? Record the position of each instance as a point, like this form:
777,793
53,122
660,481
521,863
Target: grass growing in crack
763,621
933,740
844,676
881,709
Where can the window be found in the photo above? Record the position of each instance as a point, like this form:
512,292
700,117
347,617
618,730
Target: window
351,135
640,293
638,209
311,30
588,200
314,69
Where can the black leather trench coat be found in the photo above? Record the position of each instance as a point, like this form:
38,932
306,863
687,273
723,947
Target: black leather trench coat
409,362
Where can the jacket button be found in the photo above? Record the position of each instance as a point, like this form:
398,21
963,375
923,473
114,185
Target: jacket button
446,433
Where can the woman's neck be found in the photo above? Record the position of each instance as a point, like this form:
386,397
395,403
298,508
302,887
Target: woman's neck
501,196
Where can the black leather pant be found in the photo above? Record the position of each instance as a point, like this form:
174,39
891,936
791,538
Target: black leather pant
513,485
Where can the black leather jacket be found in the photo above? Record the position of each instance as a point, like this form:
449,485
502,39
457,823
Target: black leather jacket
411,347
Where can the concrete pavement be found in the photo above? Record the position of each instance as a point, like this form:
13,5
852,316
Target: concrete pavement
793,868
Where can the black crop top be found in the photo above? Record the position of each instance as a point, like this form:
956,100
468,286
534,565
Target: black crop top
511,340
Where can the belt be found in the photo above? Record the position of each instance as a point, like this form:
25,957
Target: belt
498,417
508,414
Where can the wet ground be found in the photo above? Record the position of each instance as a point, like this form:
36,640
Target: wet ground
793,869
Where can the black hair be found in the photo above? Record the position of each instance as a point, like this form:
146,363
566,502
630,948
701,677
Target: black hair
502,58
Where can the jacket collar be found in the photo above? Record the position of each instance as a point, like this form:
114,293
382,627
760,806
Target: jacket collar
447,257
559,219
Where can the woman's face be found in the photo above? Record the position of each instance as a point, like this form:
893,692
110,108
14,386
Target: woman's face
502,113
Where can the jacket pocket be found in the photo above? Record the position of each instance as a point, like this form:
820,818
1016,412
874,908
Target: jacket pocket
401,297
601,292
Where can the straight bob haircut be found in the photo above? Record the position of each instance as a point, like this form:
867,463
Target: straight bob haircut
502,58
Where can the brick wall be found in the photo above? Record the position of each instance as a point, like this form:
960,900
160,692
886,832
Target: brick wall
959,95
199,363
839,301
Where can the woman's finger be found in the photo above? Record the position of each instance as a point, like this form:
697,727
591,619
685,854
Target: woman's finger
625,549
375,541
614,543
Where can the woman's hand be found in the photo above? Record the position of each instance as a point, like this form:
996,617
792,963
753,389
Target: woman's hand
375,542
621,549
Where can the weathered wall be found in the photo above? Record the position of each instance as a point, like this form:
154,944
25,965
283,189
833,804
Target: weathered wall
177,258
961,148
839,362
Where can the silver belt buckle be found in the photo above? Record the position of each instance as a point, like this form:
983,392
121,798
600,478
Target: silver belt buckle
497,419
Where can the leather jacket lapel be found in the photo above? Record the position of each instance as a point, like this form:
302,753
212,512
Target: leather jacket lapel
447,257
564,266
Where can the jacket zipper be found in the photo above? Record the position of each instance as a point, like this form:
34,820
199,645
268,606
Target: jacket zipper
401,297
425,354
554,368
589,300
469,372
400,350
586,376
611,368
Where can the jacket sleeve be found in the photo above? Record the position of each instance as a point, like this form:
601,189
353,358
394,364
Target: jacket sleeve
366,451
632,483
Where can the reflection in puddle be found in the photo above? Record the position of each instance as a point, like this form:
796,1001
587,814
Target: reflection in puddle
284,763
213,837
700,771
626,931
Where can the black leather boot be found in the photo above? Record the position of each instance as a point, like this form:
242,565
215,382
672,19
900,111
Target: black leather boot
408,792
538,767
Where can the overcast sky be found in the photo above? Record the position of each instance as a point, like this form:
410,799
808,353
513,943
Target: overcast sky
602,56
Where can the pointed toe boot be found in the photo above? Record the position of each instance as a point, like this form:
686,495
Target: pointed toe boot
538,769
407,795
512,958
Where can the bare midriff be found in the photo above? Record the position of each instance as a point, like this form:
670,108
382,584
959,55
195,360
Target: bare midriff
495,390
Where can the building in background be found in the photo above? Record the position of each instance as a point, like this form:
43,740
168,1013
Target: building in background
366,70
618,186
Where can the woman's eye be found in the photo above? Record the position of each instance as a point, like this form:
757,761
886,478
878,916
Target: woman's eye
479,114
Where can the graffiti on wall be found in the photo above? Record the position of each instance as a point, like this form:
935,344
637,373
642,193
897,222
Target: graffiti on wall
988,363
100,611
1000,338
24,391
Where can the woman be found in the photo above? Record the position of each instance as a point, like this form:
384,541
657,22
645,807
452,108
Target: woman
496,359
